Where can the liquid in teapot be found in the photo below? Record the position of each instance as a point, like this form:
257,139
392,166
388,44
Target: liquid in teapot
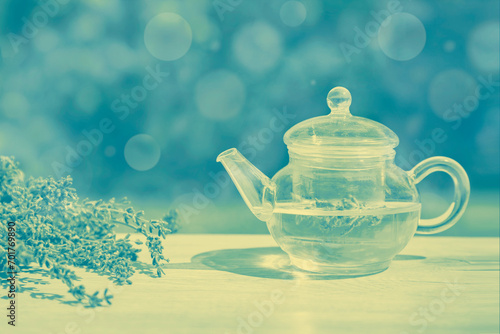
347,237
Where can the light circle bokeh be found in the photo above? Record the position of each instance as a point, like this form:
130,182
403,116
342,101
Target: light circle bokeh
449,46
449,89
220,95
483,47
401,36
258,46
109,151
142,152
168,36
293,13
14,105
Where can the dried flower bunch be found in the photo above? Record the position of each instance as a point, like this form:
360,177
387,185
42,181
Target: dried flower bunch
55,230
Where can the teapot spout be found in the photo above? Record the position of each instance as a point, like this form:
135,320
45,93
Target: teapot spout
256,188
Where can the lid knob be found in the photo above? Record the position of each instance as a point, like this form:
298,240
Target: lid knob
339,100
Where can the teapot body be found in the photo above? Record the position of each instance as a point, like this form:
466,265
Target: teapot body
341,206
349,216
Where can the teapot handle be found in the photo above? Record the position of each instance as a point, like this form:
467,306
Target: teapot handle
461,195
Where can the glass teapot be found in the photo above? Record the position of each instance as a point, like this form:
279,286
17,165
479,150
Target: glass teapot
341,206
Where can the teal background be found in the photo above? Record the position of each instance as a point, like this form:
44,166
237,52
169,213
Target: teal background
233,67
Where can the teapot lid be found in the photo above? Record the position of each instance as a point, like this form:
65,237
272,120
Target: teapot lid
340,130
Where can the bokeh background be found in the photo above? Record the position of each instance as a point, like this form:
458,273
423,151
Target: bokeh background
178,81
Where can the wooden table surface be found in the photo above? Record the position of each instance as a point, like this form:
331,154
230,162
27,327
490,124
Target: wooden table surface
244,284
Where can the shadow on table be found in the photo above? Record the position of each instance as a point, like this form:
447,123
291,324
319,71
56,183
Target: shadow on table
31,285
265,262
